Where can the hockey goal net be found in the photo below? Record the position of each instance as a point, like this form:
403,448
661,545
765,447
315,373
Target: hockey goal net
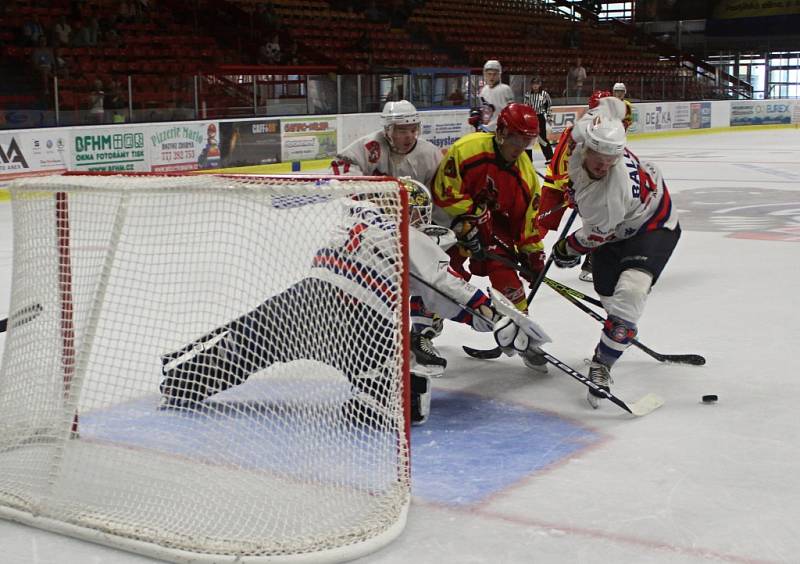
208,368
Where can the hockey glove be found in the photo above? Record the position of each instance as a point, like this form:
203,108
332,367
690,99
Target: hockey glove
533,264
562,255
515,332
486,320
468,228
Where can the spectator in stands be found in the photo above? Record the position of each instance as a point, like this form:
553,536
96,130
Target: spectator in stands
575,78
43,61
31,31
96,103
270,52
115,102
61,32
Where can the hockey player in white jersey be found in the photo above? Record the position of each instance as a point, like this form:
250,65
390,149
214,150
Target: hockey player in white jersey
629,224
395,150
344,294
494,96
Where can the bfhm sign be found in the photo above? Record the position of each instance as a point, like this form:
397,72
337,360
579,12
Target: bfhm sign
104,150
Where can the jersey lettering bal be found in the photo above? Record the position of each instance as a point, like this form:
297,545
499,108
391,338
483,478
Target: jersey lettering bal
371,156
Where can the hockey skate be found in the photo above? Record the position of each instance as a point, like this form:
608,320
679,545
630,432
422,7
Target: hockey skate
600,375
420,398
534,359
428,361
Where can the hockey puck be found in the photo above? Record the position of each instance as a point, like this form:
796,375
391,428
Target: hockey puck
711,398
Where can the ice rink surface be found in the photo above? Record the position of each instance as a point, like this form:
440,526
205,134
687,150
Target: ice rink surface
516,468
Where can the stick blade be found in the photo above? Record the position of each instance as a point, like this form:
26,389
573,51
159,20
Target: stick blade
645,405
487,354
692,359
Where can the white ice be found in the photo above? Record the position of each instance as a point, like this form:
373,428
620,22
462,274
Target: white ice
688,483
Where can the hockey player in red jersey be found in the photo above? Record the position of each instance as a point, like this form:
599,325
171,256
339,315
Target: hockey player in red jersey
628,222
486,190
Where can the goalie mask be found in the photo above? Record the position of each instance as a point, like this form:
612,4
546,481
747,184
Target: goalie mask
401,124
420,203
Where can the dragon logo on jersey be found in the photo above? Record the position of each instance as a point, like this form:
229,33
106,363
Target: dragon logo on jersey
373,151
488,196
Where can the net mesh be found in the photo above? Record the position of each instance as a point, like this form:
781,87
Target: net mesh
207,364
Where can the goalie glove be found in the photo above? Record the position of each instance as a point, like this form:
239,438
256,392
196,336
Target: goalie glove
472,229
563,255
515,332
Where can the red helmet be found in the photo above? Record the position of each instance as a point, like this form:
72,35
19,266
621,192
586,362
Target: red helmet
594,99
518,118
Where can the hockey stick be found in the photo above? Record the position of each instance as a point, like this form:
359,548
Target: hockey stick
574,295
639,408
496,352
21,317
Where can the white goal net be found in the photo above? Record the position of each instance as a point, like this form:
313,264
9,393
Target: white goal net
208,368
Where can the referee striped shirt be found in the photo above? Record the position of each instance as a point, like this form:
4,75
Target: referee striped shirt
539,101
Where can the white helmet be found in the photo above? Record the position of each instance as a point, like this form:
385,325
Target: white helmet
619,86
492,64
605,135
401,112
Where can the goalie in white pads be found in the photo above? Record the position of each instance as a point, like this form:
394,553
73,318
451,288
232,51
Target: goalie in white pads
339,295
629,224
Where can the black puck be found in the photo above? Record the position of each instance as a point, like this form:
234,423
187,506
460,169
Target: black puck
711,398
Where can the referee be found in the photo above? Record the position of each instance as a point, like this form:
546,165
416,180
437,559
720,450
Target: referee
540,101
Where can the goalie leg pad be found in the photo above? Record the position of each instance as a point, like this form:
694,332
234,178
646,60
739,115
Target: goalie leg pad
420,398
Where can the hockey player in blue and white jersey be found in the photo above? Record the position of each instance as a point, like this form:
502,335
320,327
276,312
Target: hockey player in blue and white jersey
494,95
345,293
628,223
394,150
